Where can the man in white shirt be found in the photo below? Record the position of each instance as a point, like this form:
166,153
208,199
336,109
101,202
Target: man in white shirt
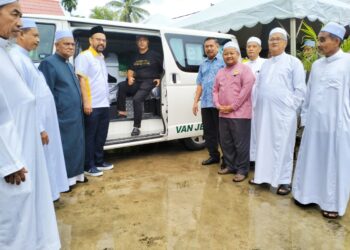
27,216
27,41
255,63
280,90
91,69
322,173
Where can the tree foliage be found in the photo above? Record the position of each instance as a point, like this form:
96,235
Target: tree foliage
104,13
69,5
129,10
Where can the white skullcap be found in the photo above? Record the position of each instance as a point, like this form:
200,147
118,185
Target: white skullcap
4,2
280,31
254,39
28,23
334,29
63,34
232,45
309,43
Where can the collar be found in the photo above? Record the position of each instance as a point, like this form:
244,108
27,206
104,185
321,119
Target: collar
335,56
254,61
277,58
94,52
3,42
22,50
215,58
61,58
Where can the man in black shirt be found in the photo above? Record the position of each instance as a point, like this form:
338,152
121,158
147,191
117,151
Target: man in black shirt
144,74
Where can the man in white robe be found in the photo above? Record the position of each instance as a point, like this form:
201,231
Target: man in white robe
28,40
322,174
27,217
280,90
255,63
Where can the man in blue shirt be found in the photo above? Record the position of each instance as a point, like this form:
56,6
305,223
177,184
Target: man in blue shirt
204,92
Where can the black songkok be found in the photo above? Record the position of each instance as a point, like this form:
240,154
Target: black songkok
96,29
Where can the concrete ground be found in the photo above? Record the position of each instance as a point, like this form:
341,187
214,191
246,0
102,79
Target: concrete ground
160,197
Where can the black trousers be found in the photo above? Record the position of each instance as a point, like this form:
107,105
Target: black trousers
96,129
235,143
210,119
139,91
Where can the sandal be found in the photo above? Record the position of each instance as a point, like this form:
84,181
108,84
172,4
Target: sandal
239,177
330,215
251,182
284,189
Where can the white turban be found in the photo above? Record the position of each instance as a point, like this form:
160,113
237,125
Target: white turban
281,31
254,39
232,45
334,29
63,34
4,2
28,23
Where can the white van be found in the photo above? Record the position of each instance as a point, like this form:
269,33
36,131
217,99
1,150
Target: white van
167,116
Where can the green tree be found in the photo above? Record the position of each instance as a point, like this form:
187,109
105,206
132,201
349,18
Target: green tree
69,5
129,10
104,13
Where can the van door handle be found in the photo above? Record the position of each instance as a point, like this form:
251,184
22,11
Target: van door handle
173,75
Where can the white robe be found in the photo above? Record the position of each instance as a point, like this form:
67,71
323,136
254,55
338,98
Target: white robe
280,90
27,216
255,66
48,121
322,174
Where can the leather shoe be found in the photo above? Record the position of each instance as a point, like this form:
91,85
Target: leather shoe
226,171
210,160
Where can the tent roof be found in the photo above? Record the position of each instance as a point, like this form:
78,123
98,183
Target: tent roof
234,14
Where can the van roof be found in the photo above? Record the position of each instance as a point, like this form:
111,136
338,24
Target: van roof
77,21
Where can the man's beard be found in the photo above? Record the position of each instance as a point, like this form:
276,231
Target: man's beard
100,48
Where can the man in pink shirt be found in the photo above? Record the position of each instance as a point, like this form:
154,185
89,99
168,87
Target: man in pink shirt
232,97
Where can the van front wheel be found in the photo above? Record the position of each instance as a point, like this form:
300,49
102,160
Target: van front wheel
194,143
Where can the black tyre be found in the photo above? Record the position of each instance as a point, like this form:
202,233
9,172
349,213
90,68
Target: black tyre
194,143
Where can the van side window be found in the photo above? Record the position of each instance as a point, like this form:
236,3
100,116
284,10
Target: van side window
45,48
188,51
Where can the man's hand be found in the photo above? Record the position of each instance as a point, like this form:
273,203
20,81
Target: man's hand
225,109
44,138
87,109
195,108
156,82
131,80
16,177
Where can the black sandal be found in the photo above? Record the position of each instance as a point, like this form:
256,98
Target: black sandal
330,215
284,189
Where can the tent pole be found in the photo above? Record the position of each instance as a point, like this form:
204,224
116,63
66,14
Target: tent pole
293,37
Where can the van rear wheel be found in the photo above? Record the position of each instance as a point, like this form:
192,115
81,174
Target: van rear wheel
194,143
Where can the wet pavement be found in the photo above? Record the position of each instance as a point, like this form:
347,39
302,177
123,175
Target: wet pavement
160,197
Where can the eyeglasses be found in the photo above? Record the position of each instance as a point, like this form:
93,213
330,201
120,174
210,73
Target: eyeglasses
99,39
276,40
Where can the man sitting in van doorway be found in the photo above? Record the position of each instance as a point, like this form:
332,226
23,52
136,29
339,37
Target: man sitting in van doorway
144,74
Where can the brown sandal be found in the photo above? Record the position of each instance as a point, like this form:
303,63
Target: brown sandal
239,177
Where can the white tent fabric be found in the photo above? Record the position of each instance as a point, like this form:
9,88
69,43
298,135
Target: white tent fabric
234,14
